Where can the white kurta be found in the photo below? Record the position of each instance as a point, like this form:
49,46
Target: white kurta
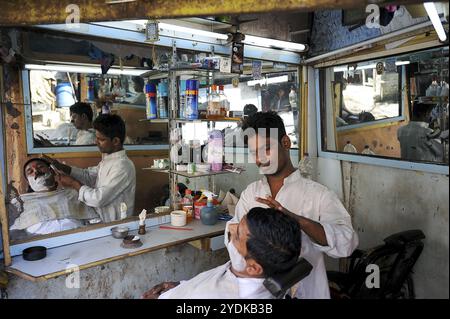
108,184
219,283
314,201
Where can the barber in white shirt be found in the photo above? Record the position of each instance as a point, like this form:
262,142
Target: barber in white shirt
325,223
112,181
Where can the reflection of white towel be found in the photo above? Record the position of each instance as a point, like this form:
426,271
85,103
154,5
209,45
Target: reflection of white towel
40,207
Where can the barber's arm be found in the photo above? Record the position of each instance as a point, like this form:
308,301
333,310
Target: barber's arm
341,238
117,180
66,169
333,233
313,229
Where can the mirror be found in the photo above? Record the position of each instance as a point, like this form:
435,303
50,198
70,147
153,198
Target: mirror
61,120
277,90
394,107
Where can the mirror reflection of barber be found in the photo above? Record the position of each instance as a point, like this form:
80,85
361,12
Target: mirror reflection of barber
45,208
112,181
325,223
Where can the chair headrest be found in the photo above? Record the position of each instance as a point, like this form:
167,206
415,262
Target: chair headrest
278,284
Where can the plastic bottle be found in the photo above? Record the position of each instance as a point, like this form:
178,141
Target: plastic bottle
305,166
91,92
188,205
177,204
215,150
349,148
213,111
367,151
150,94
191,99
209,214
224,103
163,100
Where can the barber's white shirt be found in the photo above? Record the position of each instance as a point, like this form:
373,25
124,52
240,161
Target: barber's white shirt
108,184
219,283
314,201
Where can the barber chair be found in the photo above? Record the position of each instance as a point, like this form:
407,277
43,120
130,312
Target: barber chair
279,284
395,260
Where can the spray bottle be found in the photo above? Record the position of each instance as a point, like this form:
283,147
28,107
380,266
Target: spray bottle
209,215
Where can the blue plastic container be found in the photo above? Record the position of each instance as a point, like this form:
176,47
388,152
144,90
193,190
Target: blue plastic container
64,95
151,106
209,215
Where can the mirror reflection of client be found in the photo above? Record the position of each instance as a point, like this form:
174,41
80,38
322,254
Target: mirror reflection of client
264,243
81,115
46,208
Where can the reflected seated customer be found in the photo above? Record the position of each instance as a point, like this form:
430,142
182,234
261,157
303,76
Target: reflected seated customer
264,243
45,208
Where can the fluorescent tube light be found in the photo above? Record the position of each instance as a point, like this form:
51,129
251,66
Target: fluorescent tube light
83,69
402,62
340,69
365,67
173,27
430,7
270,43
278,79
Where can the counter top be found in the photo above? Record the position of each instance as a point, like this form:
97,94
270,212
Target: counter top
66,259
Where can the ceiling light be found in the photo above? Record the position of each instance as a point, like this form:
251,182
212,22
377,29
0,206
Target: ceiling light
271,43
83,69
402,62
430,7
278,79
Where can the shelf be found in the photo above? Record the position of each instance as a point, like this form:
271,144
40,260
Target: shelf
61,261
226,119
185,174
432,99
155,120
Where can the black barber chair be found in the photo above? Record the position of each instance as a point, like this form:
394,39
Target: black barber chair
280,283
395,259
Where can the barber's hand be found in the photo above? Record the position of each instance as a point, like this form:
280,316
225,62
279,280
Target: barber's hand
157,290
272,203
57,164
67,181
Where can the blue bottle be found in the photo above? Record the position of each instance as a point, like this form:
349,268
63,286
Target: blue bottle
151,106
209,214
191,99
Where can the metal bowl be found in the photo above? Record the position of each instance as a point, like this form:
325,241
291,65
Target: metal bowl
119,232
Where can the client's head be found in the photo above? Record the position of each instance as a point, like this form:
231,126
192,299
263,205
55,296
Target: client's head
40,176
264,243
